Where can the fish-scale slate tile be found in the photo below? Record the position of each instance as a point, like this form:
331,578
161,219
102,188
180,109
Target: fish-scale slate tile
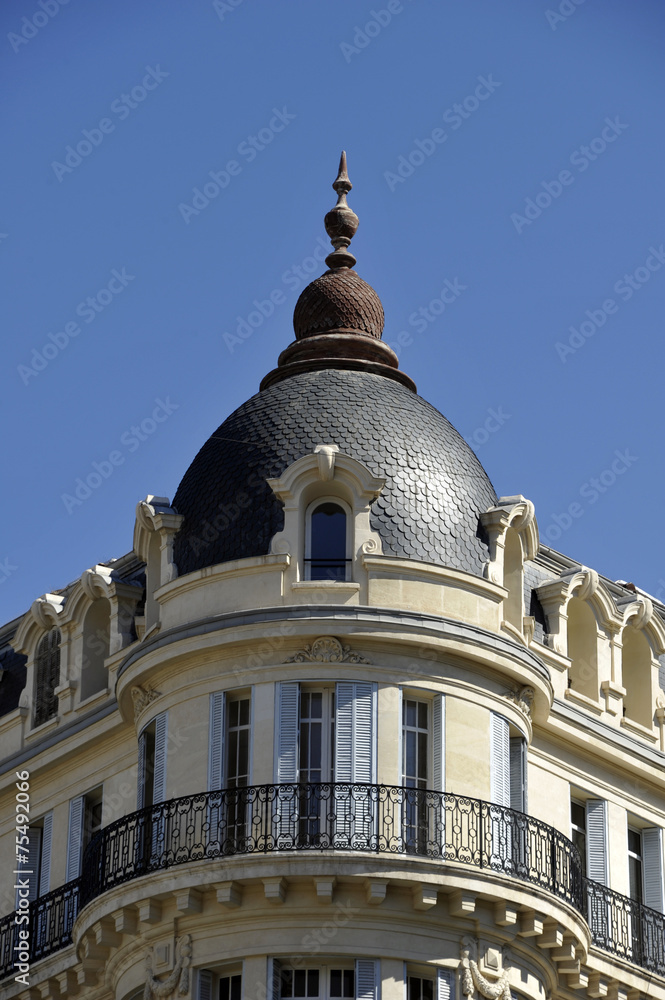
231,513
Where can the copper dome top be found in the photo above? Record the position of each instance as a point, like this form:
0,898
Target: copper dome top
338,302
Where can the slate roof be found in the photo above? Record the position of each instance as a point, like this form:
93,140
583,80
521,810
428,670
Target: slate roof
435,490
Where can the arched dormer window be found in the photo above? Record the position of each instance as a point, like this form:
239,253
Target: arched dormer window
327,542
47,677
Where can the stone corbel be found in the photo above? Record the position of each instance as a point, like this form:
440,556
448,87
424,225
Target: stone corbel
177,983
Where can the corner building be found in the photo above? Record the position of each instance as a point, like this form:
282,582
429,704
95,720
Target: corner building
339,726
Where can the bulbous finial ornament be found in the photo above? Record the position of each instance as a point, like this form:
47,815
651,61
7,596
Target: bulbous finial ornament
341,222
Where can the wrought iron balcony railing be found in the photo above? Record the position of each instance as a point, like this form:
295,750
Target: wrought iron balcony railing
378,819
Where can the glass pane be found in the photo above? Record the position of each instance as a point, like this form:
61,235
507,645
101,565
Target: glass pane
224,989
300,983
635,842
410,713
336,983
422,756
244,712
287,982
313,983
428,989
328,543
233,713
315,754
422,715
304,705
410,747
349,983
243,754
236,987
578,815
316,710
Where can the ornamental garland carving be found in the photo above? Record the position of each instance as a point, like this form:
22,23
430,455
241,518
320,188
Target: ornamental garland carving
523,698
326,649
179,977
142,696
473,982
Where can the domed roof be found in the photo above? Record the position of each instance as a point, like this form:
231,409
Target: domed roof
428,510
338,302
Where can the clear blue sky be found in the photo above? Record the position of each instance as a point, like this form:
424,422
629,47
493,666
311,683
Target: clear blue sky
560,118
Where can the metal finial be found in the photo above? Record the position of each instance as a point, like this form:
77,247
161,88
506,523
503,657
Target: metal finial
341,222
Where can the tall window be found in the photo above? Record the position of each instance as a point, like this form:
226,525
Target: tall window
415,772
326,551
85,820
237,742
316,760
321,984
635,876
578,830
47,677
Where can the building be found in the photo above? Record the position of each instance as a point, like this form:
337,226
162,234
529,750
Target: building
339,726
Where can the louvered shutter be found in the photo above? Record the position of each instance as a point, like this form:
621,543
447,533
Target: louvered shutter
32,867
45,865
286,762
499,760
204,985
439,743
445,984
367,979
596,840
274,982
140,787
75,837
652,866
355,732
518,773
159,771
216,744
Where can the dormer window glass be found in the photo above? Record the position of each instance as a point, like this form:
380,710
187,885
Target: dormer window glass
326,557
47,677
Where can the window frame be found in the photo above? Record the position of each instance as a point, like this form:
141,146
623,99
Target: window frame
46,677
307,555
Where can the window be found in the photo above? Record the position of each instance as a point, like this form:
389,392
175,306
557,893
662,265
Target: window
425,986
507,765
418,758
229,769
47,677
326,553
96,637
39,857
635,874
418,988
85,820
322,984
230,987
152,763
645,866
578,830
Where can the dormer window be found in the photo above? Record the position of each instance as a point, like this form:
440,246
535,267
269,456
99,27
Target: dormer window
327,548
47,677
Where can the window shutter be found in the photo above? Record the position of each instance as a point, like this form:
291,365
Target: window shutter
499,760
274,983
34,853
596,840
355,732
367,979
216,744
75,837
439,743
204,984
518,773
45,866
159,773
445,984
652,862
286,762
140,787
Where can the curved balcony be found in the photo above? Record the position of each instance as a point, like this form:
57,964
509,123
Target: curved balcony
376,819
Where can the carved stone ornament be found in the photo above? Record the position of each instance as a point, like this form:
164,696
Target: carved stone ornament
326,649
473,982
523,698
179,977
142,696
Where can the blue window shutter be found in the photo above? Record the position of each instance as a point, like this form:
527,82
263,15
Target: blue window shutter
75,837
499,760
45,864
140,784
159,772
518,798
286,736
445,984
652,867
439,743
204,985
355,732
367,979
596,840
216,741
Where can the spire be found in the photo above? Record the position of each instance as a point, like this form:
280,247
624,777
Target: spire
341,222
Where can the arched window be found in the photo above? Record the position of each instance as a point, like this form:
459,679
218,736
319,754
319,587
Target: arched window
327,547
94,677
47,677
